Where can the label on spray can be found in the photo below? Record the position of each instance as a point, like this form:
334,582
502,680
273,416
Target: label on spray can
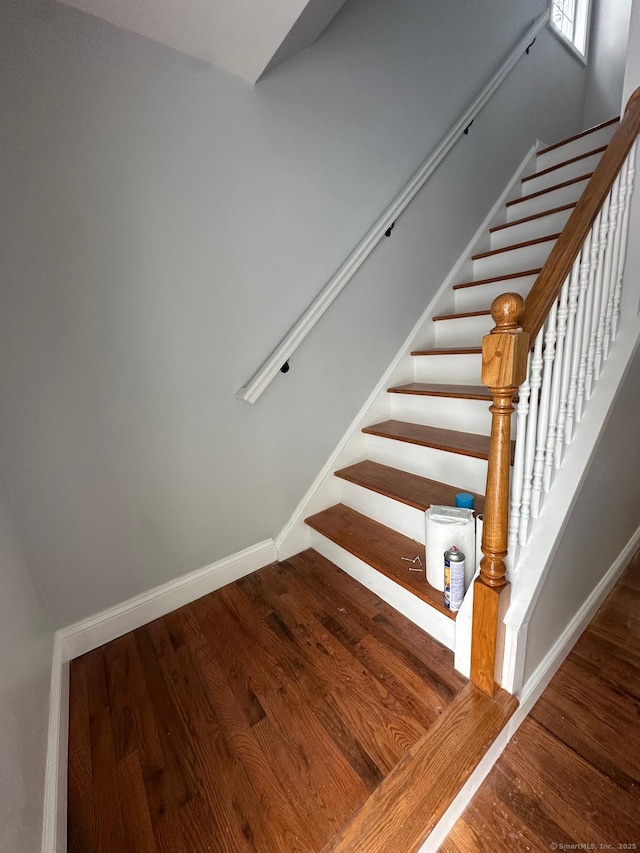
453,578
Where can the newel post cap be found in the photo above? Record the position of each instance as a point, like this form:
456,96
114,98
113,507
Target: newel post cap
505,348
507,310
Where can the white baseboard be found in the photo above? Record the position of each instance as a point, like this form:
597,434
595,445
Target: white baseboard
531,692
88,634
54,836
82,637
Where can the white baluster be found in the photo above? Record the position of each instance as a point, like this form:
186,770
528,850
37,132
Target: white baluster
554,402
573,290
585,330
624,232
615,209
597,319
517,474
587,269
535,372
548,357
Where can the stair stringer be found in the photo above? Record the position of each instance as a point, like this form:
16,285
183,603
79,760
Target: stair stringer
295,536
535,559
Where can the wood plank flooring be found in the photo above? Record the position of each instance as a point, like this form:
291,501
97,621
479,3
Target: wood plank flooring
571,775
259,718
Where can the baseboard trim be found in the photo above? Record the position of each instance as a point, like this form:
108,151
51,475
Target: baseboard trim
55,786
531,692
88,634
97,630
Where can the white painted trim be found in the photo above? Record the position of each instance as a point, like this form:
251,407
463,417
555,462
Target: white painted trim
294,535
54,824
257,384
82,637
531,692
90,633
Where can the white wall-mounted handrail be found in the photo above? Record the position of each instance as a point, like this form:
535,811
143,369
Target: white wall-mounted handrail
254,388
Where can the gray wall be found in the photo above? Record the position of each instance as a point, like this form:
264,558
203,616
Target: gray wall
163,225
26,643
606,515
607,53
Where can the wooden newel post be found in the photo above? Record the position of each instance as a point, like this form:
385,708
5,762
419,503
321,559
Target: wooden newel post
504,368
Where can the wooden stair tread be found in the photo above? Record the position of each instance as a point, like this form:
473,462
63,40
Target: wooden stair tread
448,351
532,217
493,279
463,443
462,316
549,189
380,547
436,389
577,136
410,489
522,245
399,815
565,163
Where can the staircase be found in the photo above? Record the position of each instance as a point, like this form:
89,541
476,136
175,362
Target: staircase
436,441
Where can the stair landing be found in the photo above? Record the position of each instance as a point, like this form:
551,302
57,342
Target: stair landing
291,710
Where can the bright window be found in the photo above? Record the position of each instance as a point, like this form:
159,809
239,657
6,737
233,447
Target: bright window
570,18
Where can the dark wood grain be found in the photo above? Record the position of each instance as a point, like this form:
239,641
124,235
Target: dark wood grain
547,190
530,218
258,718
493,279
564,163
434,389
582,133
411,489
481,313
399,815
380,547
571,775
464,443
523,245
448,351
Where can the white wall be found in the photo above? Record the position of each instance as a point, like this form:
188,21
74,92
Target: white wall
605,517
26,643
607,54
163,225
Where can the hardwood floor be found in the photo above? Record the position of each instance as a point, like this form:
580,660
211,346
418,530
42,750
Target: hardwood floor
258,718
571,775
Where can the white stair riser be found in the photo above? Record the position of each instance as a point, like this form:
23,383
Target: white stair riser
573,149
467,472
546,201
461,369
584,166
405,519
515,260
482,296
443,412
417,611
553,223
463,331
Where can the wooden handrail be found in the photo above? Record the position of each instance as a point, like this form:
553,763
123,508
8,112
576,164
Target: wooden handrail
546,289
504,367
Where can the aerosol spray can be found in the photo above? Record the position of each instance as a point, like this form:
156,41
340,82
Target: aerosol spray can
453,578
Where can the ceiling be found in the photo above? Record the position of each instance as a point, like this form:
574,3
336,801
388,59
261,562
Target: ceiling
245,37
